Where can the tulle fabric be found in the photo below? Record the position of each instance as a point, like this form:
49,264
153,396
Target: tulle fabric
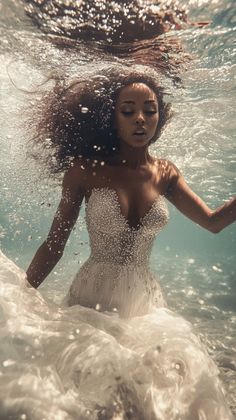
112,350
79,363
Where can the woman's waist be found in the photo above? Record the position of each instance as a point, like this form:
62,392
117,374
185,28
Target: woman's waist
128,261
108,273
110,284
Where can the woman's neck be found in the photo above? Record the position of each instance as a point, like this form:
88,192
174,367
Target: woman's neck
132,157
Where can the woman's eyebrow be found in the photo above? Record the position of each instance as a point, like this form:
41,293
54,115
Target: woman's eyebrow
149,101
128,102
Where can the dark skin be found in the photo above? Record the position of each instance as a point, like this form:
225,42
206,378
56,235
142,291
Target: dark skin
137,178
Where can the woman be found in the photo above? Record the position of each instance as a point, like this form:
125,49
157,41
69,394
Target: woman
101,131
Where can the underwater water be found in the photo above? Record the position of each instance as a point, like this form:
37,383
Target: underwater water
196,269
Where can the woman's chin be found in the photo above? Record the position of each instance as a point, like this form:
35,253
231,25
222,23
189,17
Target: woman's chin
137,142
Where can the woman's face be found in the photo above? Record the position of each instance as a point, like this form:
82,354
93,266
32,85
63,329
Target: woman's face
136,114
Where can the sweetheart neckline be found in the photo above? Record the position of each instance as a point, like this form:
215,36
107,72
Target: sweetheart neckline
126,221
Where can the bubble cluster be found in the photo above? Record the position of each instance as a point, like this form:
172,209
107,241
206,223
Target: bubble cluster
102,20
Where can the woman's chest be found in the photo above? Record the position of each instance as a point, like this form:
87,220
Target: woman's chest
104,213
136,192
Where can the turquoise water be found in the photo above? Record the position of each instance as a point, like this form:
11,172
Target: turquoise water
196,269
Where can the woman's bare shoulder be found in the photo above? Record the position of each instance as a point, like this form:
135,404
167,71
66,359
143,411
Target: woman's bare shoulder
168,173
166,164
77,174
83,172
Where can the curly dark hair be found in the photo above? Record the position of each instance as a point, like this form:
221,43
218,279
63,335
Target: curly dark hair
76,118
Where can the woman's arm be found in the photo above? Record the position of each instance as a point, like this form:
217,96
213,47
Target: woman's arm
66,215
192,206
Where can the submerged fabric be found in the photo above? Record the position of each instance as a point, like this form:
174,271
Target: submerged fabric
156,365
77,363
116,352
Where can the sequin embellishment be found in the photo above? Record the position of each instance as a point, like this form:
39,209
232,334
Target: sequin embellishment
117,272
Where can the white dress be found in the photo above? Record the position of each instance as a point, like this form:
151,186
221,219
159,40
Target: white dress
153,365
115,351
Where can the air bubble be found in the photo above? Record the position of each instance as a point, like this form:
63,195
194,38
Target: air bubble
9,362
71,337
217,269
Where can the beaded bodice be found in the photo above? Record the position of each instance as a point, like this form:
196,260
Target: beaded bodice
117,275
111,238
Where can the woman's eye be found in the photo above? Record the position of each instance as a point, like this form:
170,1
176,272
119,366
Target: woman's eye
127,112
150,112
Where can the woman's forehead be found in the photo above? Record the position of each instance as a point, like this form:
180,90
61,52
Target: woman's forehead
136,91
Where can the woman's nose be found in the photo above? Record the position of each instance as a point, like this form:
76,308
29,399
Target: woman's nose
140,118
